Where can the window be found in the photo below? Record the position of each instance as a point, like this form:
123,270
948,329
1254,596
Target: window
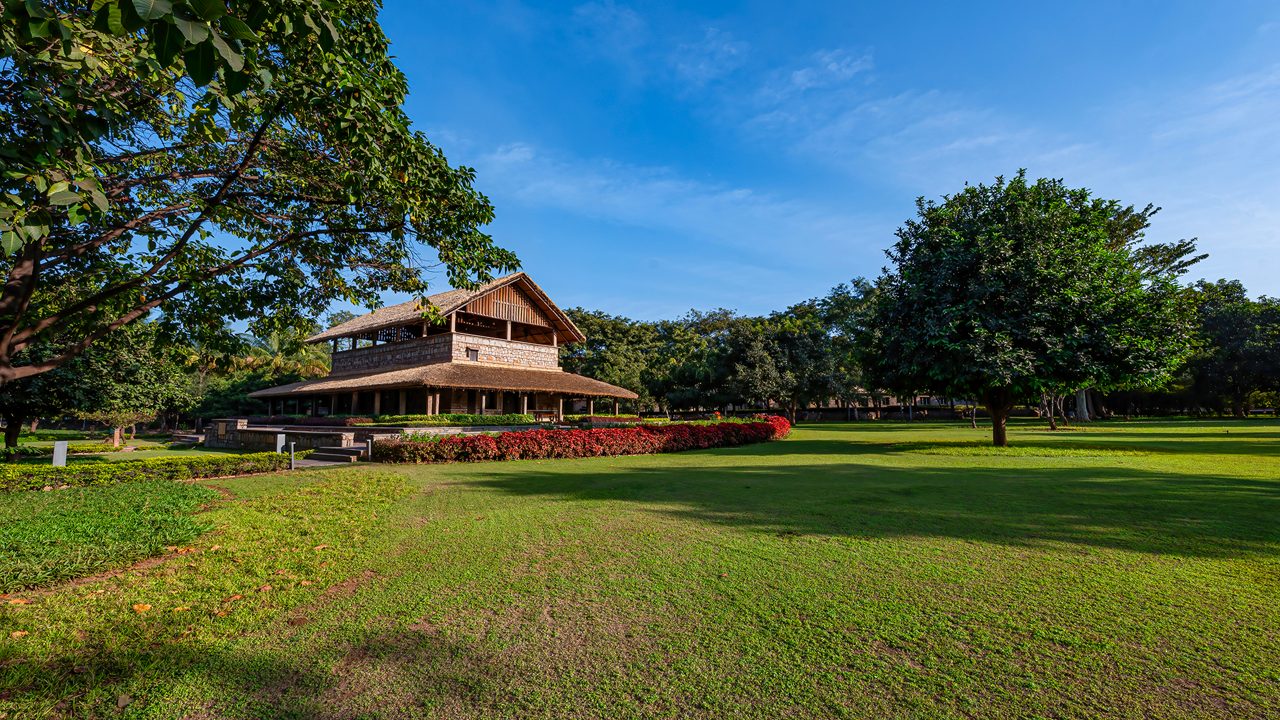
473,354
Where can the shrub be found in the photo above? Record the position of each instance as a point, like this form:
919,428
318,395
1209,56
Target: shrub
543,444
89,448
453,419
603,419
327,421
36,477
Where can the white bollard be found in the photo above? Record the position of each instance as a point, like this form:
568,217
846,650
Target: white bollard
293,465
280,440
60,453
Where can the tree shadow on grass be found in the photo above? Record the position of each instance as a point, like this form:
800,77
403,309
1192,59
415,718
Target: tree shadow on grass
388,670
1123,508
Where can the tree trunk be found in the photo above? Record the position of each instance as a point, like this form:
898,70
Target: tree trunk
117,436
12,428
998,403
35,423
1050,403
973,416
1082,406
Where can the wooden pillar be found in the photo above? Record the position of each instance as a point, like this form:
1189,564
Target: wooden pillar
404,401
377,402
483,397
333,404
524,403
615,406
355,402
453,322
335,344
555,339
508,329
591,406
438,396
560,409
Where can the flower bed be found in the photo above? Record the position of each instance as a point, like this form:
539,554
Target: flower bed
36,477
543,444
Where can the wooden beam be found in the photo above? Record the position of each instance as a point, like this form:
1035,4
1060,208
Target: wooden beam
560,409
453,322
404,401
484,397
591,406
524,403
377,402
355,402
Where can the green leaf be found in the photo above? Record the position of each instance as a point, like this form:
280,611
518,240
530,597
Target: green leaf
152,9
167,41
194,31
64,197
233,59
237,82
38,28
237,29
209,9
10,242
201,63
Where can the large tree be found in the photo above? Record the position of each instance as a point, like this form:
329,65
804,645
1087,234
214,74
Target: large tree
242,160
1006,291
617,350
1239,345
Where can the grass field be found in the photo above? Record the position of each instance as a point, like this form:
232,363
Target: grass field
881,570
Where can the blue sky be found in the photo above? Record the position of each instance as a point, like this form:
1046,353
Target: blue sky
645,159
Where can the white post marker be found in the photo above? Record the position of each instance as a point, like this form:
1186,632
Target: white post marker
60,453
292,463
280,439
368,445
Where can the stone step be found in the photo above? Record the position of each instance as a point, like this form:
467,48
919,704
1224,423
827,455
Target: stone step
354,450
332,457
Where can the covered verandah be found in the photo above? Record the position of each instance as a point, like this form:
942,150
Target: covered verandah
470,388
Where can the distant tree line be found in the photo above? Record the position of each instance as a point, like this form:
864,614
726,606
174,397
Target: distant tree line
1017,293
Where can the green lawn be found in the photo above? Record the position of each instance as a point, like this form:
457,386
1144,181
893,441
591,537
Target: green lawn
1127,570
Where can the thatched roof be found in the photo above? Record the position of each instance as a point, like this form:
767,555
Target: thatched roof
447,302
470,375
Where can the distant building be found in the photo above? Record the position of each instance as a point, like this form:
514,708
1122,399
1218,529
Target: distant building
491,350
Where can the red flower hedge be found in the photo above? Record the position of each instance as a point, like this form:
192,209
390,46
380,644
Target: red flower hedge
541,444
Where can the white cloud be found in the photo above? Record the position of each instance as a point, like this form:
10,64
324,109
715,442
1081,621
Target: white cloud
660,199
717,54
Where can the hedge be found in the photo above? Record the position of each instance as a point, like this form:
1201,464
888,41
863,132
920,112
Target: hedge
36,477
89,448
443,420
542,444
452,419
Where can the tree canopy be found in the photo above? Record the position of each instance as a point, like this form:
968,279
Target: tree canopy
1006,291
219,162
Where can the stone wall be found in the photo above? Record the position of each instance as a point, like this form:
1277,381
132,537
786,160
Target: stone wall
507,352
236,434
418,351
443,348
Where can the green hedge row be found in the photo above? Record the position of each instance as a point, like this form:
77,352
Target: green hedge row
87,448
37,477
454,419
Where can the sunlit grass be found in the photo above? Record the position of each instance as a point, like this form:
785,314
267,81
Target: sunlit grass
861,570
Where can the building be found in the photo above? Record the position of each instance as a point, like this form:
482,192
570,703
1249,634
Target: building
492,350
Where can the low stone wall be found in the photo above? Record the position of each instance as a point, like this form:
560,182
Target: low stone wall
236,434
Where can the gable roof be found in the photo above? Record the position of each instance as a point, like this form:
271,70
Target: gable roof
447,302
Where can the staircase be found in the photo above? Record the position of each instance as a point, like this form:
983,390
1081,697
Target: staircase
337,454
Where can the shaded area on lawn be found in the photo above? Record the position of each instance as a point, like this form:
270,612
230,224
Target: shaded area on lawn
1114,506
